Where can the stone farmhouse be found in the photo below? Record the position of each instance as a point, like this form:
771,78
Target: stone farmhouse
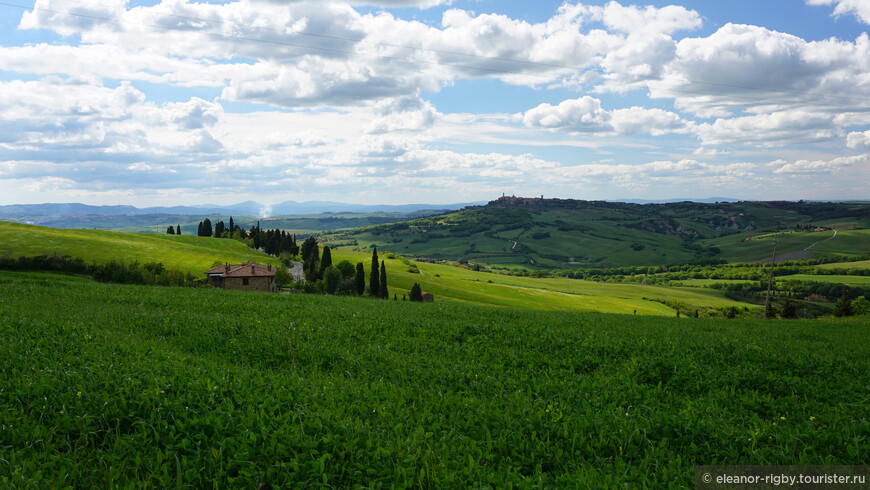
243,277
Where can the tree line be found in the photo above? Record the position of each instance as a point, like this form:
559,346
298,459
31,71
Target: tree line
115,271
274,242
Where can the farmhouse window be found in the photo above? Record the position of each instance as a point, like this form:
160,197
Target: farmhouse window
244,281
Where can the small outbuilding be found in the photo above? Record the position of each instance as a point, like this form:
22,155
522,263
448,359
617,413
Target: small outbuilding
427,297
243,277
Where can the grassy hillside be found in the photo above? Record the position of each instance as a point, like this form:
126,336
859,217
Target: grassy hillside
861,264
197,254
206,388
754,247
838,279
185,253
454,283
547,233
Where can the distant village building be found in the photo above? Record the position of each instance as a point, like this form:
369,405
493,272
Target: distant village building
243,277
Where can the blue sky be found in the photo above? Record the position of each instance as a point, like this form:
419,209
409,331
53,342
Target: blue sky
398,101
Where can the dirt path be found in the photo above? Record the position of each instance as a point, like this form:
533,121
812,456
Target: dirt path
820,241
296,271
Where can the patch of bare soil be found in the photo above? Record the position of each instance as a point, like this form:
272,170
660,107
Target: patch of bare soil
789,256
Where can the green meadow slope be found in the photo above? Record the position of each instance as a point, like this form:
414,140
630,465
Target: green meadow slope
563,233
197,254
455,283
756,247
130,386
185,253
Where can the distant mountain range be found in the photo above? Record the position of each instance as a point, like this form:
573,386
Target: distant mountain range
247,208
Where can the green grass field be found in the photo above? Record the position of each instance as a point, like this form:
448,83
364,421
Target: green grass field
862,264
454,283
855,280
197,254
185,253
123,386
736,248
846,243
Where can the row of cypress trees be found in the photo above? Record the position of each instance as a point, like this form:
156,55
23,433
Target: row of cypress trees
316,267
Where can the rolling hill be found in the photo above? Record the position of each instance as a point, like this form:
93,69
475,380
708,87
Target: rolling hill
564,233
180,252
197,254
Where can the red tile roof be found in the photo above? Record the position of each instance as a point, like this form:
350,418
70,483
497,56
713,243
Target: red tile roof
247,269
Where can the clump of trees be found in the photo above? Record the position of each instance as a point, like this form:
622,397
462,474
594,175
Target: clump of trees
274,242
174,230
322,276
204,228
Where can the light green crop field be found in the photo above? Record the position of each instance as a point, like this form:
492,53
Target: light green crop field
185,253
109,385
838,279
449,282
862,264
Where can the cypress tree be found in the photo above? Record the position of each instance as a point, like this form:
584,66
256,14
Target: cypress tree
360,280
232,225
285,244
325,259
307,245
844,305
374,278
206,228
178,229
199,229
219,229
416,293
382,286
311,266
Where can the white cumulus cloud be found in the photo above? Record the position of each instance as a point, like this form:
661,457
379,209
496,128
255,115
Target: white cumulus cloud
857,140
860,8
818,166
585,115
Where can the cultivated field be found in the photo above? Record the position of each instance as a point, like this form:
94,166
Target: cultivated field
125,385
